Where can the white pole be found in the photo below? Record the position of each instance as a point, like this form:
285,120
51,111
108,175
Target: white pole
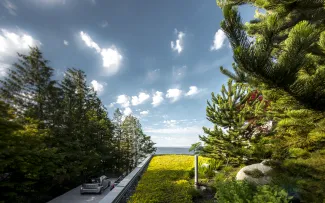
196,170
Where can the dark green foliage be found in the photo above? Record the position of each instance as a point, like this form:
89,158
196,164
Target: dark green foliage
54,135
195,193
272,194
197,148
242,192
304,175
287,51
134,143
282,53
233,191
235,113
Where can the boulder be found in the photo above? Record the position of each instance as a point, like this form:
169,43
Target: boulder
255,173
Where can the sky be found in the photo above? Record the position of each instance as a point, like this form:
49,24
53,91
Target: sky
156,60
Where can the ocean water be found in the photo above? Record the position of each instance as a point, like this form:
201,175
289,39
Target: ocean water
173,150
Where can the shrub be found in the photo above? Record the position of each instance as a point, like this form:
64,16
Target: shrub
272,194
242,192
234,191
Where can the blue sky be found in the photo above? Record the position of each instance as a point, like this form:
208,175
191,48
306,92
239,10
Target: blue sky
158,60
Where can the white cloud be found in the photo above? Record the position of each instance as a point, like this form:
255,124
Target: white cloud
65,42
178,45
127,111
170,123
144,112
182,132
174,140
123,100
174,94
11,7
111,60
193,91
136,100
98,87
157,98
111,56
219,39
10,44
89,42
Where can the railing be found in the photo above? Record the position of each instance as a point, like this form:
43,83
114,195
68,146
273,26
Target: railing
122,191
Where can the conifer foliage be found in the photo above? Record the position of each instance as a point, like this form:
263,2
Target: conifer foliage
54,134
234,113
283,48
280,57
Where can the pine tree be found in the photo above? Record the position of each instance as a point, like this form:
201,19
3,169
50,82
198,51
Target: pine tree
286,47
234,114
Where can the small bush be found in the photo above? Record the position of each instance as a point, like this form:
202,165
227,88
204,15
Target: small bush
242,192
272,194
234,191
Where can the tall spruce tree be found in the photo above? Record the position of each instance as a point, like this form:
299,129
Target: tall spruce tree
29,87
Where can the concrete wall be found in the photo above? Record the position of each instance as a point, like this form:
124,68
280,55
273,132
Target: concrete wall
122,192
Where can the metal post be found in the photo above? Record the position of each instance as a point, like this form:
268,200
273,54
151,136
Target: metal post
196,170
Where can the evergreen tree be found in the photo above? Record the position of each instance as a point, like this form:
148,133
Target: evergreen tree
118,136
55,135
135,144
28,86
27,166
283,50
286,49
146,146
234,113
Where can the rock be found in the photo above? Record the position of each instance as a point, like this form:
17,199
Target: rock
203,188
255,173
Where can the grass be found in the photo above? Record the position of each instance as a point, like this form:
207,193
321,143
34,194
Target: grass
166,180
